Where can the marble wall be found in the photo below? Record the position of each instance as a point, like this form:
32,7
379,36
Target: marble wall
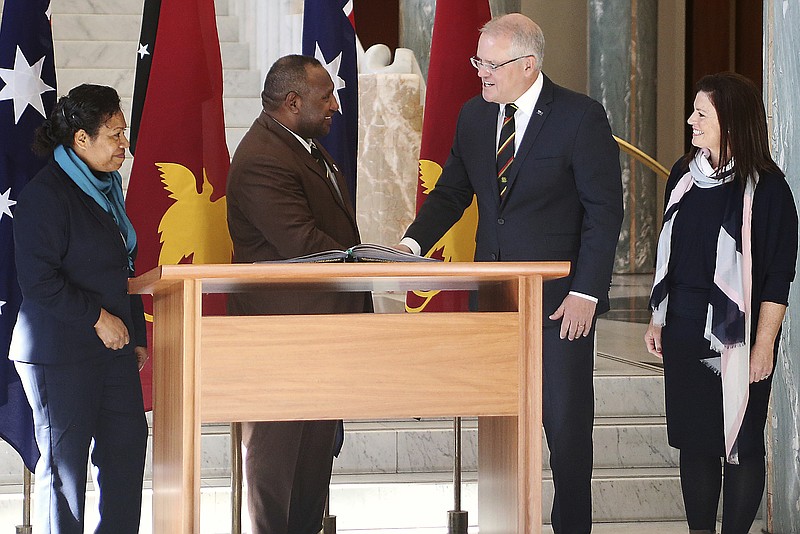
781,80
622,77
389,134
390,103
272,29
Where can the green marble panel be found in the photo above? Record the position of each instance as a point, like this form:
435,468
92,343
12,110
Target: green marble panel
622,77
782,78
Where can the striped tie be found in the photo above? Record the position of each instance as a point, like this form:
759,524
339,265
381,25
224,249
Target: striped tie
505,148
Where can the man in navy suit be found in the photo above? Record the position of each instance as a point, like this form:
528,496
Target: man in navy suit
545,169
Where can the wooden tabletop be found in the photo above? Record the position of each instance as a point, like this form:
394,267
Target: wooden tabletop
365,276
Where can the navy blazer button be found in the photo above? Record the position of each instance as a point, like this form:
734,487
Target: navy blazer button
501,221
494,256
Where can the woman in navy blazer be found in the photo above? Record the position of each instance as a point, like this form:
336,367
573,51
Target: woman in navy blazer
79,340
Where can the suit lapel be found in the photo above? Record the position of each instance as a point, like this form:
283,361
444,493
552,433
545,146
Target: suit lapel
105,219
305,156
340,182
540,112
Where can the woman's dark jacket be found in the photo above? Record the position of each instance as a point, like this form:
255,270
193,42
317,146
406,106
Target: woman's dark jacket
71,261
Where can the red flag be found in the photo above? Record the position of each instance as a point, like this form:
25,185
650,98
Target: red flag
451,82
176,196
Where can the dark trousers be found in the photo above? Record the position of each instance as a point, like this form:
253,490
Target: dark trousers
288,470
568,417
95,403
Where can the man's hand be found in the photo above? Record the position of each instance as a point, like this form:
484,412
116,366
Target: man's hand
576,314
402,248
652,339
111,330
141,356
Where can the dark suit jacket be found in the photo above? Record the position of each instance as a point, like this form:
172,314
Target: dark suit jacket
71,261
564,198
281,205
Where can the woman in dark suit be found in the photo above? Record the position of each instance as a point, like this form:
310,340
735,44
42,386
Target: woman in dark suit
726,258
79,340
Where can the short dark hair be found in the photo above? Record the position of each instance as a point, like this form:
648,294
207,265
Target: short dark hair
86,107
742,124
286,75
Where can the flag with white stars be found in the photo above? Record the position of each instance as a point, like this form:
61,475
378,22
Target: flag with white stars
27,94
329,35
144,60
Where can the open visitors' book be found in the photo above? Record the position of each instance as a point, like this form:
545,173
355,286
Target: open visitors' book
366,252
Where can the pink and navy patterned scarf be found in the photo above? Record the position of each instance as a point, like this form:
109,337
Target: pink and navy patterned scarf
727,325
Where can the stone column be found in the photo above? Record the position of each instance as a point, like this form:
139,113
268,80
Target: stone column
781,80
390,102
622,77
416,25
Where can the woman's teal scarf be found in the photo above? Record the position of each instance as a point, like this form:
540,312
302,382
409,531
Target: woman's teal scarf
105,188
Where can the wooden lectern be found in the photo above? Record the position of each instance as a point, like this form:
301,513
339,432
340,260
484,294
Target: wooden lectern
361,366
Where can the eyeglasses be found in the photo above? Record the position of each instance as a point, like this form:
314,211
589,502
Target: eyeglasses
491,67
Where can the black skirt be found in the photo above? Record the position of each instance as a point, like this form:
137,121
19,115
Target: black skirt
693,394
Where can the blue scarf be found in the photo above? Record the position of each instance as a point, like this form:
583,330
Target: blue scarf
105,189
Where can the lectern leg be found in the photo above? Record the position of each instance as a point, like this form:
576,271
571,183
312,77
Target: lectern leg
497,475
328,520
176,409
529,440
457,519
510,448
236,478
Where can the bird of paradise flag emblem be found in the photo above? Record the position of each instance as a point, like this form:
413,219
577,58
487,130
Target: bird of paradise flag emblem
194,226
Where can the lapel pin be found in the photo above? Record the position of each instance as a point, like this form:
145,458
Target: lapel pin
539,112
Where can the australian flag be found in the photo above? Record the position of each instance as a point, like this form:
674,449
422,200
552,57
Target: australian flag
329,35
27,95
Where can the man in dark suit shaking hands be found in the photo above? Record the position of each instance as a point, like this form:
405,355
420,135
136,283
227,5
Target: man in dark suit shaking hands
287,198
545,169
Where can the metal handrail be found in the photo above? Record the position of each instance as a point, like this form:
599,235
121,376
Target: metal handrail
639,155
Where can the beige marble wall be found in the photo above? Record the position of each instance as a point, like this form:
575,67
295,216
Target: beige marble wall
564,24
390,130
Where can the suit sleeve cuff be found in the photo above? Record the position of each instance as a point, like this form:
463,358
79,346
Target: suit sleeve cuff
413,245
584,296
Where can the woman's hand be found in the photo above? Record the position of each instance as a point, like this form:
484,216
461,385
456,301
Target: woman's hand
652,339
141,356
760,362
761,355
111,330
